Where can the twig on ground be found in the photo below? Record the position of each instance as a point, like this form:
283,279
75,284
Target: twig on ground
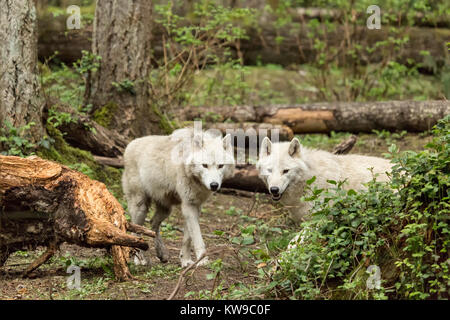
183,273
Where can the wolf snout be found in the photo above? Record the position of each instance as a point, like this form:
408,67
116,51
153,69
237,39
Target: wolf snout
274,190
214,186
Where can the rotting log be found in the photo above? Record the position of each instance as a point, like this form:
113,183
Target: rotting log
43,203
412,116
87,134
84,133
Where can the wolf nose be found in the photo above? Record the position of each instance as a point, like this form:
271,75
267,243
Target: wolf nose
274,190
214,186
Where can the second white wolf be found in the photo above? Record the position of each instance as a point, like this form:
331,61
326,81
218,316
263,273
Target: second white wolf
285,167
182,168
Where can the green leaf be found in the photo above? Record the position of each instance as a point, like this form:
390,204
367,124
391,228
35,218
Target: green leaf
310,181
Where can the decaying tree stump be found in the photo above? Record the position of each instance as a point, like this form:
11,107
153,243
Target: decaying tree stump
43,203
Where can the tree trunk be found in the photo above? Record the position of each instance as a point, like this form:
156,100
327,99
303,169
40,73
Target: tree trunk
44,203
122,34
21,101
334,116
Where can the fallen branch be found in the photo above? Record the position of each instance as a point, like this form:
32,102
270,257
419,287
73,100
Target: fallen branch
345,146
140,230
236,193
107,161
183,273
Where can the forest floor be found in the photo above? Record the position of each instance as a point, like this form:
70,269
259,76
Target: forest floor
223,219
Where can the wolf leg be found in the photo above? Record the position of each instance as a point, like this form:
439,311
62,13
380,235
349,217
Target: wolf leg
185,253
138,208
191,214
161,213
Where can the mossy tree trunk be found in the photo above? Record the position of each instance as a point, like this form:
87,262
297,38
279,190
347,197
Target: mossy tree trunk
122,35
21,101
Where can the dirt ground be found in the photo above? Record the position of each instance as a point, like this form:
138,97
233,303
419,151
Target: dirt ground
222,220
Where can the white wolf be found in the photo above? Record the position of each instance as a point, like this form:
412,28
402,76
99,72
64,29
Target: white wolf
286,166
182,168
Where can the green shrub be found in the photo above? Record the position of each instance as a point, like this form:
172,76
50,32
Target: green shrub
16,141
400,226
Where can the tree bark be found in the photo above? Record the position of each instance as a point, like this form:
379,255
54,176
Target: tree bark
122,34
44,203
20,92
334,116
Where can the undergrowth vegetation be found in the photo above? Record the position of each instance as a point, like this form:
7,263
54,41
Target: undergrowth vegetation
399,229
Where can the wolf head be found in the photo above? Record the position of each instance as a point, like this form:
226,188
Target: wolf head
280,165
211,159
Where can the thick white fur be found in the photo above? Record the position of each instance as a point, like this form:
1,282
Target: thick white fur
169,170
304,163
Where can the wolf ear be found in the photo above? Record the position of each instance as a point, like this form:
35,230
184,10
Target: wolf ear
227,142
198,141
266,148
295,148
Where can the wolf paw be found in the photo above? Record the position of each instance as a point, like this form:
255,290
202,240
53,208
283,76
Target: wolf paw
186,263
163,256
140,259
204,262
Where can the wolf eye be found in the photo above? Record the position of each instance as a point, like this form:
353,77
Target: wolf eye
285,171
205,166
220,166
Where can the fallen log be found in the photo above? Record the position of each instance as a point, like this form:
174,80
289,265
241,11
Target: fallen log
412,116
296,48
43,203
87,134
325,14
262,45
84,133
245,178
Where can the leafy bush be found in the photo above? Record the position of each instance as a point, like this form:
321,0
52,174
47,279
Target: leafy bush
15,141
400,226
